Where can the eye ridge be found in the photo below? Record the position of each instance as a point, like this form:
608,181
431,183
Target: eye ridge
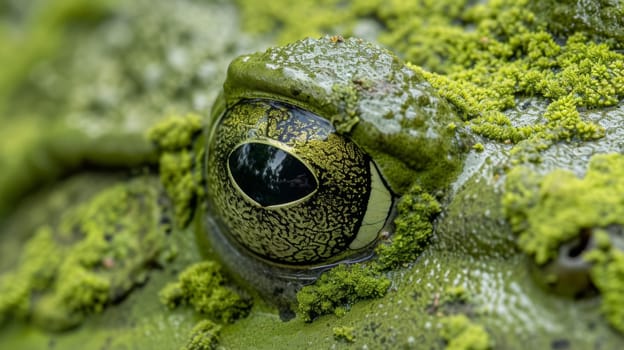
269,175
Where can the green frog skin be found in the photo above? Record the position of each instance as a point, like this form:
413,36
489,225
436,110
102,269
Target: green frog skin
307,147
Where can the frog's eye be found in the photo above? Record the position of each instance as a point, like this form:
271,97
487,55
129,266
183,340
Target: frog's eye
270,176
286,188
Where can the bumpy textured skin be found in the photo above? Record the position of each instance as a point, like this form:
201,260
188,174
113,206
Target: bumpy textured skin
368,94
316,229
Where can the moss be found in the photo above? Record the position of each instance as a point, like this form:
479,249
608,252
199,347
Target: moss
478,147
602,20
413,228
557,208
460,333
337,289
180,164
607,273
547,211
344,333
203,286
204,336
175,132
96,254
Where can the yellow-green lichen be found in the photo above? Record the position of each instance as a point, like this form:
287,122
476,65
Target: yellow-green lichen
180,164
204,287
337,289
460,333
204,336
97,253
344,333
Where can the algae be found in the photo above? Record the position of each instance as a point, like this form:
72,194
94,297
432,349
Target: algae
99,251
203,287
180,165
552,210
337,289
547,211
344,333
413,228
461,333
204,336
607,273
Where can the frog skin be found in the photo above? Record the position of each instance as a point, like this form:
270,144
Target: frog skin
360,127
473,248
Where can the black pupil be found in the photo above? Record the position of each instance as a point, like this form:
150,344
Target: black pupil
269,175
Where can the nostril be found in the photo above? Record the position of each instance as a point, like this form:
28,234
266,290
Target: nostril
577,247
569,273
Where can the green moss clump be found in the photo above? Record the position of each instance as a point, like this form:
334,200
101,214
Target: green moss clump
607,273
37,269
203,287
460,333
337,289
204,336
344,333
180,163
547,211
602,20
175,132
97,253
413,228
478,147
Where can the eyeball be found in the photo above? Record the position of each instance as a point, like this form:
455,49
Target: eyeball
286,188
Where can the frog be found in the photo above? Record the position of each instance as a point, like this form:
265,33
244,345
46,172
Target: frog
377,124
471,286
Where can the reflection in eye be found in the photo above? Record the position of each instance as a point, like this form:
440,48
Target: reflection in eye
269,175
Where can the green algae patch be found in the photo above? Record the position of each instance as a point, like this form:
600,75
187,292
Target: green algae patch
99,251
337,289
344,333
548,211
601,20
607,273
175,132
204,336
180,164
460,333
413,228
204,287
556,209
